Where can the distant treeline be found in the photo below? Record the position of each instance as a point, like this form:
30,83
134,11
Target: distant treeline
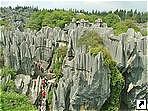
120,20
139,17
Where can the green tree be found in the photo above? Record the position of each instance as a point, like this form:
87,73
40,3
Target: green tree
35,21
116,12
135,12
131,24
111,19
138,17
56,18
144,17
129,14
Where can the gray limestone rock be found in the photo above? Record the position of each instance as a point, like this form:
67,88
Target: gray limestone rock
22,83
85,83
82,90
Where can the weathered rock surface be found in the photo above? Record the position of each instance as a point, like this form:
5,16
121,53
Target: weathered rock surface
85,84
22,83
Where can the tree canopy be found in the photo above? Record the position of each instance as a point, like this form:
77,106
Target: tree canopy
111,19
60,17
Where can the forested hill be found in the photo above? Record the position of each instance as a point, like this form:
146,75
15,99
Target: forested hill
35,19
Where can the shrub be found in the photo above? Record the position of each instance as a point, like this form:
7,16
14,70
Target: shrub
11,101
122,27
90,39
3,22
5,71
50,95
119,28
59,55
8,86
94,51
144,32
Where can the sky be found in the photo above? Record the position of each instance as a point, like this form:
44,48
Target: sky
88,5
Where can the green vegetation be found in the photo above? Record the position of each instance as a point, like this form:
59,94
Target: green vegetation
111,19
4,22
122,27
119,20
50,95
49,18
139,17
117,81
9,86
11,101
58,17
90,39
5,71
144,32
59,55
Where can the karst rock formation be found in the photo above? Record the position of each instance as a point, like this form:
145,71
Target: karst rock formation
85,84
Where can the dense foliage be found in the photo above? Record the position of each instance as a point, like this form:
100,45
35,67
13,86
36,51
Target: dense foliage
122,27
58,18
9,86
117,81
11,101
144,32
55,18
139,17
111,19
90,39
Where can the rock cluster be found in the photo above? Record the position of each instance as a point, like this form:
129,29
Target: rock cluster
85,84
